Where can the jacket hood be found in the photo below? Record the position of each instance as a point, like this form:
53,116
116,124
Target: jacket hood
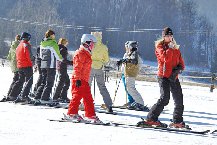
48,42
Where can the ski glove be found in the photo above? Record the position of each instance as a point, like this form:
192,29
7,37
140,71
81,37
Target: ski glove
119,62
175,72
134,49
78,83
123,61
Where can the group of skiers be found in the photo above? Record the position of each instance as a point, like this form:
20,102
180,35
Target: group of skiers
88,62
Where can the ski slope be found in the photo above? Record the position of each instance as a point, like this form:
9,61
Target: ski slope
28,125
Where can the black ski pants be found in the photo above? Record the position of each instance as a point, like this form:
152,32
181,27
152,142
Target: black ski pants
25,75
15,78
45,89
39,81
165,87
62,86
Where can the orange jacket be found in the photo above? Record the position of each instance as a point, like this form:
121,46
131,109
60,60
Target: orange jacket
82,64
23,54
168,59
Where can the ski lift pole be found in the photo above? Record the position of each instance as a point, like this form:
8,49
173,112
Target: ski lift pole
213,78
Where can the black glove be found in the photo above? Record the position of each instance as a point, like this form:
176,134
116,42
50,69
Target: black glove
119,62
78,83
123,61
134,49
175,72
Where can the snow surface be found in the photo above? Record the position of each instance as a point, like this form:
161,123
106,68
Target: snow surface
28,125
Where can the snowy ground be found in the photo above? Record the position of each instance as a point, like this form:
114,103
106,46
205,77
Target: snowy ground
28,125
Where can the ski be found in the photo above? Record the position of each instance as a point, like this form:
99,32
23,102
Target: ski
214,132
164,128
106,112
39,103
120,107
84,121
125,107
116,124
62,105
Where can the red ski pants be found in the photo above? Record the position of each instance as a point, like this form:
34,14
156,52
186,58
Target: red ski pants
78,93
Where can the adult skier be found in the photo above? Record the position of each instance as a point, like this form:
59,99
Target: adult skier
60,94
24,60
49,54
100,57
80,87
170,64
13,64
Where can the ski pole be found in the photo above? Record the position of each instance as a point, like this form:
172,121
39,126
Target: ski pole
117,90
55,83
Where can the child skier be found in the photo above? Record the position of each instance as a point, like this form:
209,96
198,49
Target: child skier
100,57
131,70
60,94
13,64
80,87
49,54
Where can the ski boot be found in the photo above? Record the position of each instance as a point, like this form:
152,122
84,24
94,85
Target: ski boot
65,100
103,106
138,107
4,99
8,98
93,119
180,125
151,123
73,117
109,110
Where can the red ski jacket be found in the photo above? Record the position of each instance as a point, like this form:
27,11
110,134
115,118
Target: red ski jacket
168,58
82,64
23,54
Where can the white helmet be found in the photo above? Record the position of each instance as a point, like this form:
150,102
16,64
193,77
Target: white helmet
88,37
126,44
132,44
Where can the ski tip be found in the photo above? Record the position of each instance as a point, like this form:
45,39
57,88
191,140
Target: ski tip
214,132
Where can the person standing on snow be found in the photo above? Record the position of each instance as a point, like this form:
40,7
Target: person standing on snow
170,63
129,97
13,64
60,94
24,60
80,87
131,70
100,57
49,54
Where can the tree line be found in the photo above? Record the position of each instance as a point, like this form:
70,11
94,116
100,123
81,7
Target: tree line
140,20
